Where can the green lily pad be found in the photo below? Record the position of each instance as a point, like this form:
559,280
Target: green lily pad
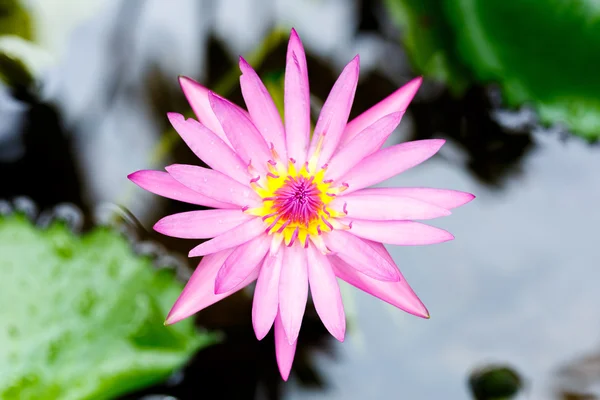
82,317
540,52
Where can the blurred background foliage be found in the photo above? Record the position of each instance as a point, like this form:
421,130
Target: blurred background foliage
540,52
84,86
86,315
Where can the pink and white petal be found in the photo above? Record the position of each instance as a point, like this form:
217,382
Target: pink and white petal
334,114
235,237
163,184
266,295
388,162
210,148
293,290
360,256
385,207
241,132
197,96
365,143
214,184
241,263
399,294
202,224
199,292
262,109
296,98
395,102
326,293
444,198
401,233
284,349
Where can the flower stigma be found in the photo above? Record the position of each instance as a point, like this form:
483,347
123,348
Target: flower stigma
295,201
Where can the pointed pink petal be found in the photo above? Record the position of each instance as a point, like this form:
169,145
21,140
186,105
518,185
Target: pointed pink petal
363,144
201,224
284,351
401,233
444,198
266,295
262,109
214,184
241,263
163,184
398,294
335,112
395,102
199,292
197,96
293,290
326,293
241,132
235,237
296,101
386,207
388,162
360,256
210,148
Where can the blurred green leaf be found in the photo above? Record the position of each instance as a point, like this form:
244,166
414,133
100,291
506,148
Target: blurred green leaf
429,42
15,19
542,52
82,317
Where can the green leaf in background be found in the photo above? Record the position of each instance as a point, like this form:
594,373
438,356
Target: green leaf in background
14,19
540,52
82,317
427,39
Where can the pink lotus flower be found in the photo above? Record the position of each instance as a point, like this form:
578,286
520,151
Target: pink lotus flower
290,208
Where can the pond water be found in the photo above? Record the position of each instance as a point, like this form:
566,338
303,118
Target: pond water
518,285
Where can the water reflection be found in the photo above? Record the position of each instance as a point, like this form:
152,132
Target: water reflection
492,150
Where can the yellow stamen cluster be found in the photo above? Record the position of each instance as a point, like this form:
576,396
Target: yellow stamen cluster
278,221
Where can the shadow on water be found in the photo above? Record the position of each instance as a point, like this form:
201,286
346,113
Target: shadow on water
493,151
45,170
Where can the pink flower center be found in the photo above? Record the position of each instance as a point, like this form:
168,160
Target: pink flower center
298,200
